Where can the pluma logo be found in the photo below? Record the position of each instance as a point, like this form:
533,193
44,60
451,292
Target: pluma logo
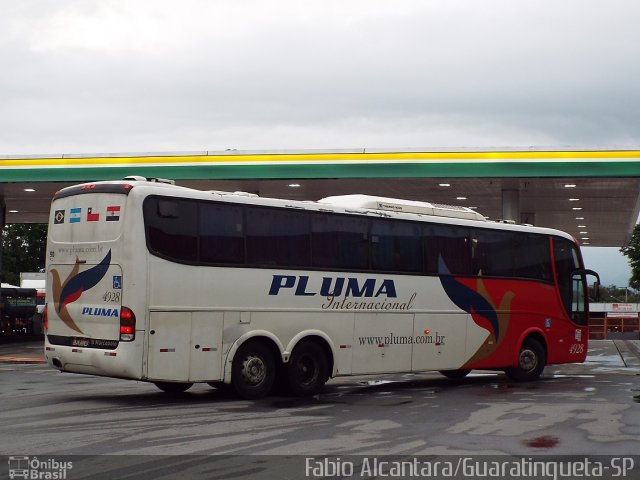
72,288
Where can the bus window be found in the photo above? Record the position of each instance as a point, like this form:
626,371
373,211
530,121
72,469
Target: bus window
570,285
493,253
172,228
340,241
532,257
450,243
578,300
396,246
499,253
221,234
277,237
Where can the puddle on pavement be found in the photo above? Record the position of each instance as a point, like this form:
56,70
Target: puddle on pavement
374,382
636,399
546,441
296,402
502,386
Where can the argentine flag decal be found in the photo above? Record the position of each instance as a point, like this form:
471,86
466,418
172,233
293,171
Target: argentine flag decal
74,215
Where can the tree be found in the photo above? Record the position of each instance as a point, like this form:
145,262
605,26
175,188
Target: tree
23,250
613,294
632,252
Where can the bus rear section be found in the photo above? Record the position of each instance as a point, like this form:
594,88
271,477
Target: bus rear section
86,323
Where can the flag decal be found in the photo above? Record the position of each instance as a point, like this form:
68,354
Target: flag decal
113,213
92,216
75,215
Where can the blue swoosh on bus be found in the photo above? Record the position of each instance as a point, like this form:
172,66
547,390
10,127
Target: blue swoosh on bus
75,284
467,299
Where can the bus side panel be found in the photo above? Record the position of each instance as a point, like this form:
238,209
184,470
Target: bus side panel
169,346
185,346
507,310
440,341
382,343
206,346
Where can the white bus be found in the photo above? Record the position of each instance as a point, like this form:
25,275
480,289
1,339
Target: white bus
150,281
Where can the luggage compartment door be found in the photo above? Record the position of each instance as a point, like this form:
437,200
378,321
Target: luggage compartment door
185,346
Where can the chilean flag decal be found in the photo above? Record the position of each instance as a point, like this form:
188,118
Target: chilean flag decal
92,216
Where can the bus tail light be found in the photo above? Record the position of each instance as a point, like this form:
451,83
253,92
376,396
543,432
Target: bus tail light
45,318
127,325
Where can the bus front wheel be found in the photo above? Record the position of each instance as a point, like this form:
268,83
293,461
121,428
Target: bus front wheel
253,370
531,361
307,370
173,387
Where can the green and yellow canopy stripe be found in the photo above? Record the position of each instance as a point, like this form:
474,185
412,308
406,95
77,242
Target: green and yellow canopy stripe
232,165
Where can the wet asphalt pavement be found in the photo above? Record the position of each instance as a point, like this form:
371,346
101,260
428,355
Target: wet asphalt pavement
574,409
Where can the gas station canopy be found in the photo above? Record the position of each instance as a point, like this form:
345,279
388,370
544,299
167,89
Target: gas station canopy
592,194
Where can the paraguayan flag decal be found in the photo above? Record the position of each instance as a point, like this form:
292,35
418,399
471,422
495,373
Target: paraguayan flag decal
113,213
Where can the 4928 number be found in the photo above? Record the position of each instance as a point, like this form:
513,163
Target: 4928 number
113,297
576,349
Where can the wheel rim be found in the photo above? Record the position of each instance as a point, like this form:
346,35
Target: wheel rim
528,360
254,370
306,370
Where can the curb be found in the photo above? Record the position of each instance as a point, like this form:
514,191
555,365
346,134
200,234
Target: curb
22,360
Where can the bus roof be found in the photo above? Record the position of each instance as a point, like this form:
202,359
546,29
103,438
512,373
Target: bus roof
350,204
399,205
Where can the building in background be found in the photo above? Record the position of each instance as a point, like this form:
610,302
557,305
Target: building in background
614,321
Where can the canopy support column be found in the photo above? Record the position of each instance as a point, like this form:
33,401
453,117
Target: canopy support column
511,205
3,208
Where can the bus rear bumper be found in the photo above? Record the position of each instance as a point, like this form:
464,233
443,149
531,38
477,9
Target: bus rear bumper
93,361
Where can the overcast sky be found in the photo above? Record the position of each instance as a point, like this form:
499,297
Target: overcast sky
82,76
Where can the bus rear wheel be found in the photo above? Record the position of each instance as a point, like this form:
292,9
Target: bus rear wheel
461,373
174,387
253,370
531,362
307,370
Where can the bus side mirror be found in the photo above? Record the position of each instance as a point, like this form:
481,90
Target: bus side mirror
596,292
596,284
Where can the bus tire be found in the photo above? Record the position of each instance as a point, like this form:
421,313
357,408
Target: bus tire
173,387
461,373
531,361
307,370
253,370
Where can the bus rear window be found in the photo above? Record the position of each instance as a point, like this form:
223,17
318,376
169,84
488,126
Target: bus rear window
86,218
